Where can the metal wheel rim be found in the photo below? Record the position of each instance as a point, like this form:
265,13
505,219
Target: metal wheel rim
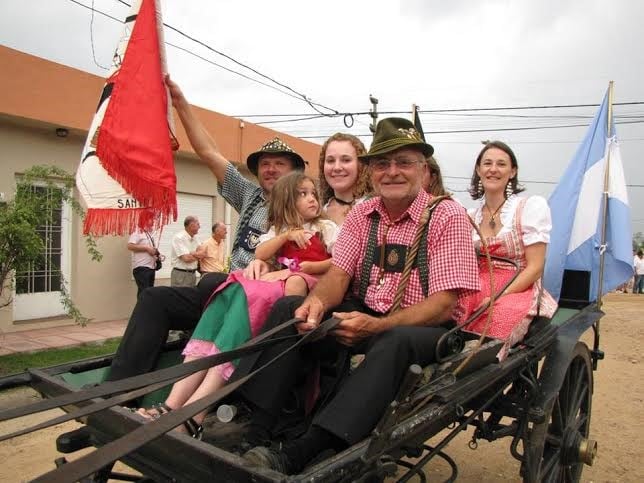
568,422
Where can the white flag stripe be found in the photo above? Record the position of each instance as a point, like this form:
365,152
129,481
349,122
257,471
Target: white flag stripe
588,205
616,178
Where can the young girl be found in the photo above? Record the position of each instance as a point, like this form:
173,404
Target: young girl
300,240
298,237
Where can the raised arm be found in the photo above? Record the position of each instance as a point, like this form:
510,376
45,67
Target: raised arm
202,142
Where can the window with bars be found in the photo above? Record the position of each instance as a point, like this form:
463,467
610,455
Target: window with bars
44,275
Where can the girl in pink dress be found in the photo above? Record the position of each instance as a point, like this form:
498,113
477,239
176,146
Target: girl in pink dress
516,228
300,240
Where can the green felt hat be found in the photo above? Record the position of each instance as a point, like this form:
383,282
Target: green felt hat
395,133
274,146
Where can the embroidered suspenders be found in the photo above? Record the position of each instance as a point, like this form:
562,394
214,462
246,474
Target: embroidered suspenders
395,256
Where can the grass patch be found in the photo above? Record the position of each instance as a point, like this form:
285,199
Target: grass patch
12,363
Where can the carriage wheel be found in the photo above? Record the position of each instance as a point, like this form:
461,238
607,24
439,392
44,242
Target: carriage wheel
560,443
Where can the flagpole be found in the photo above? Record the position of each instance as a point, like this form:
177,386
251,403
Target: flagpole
602,245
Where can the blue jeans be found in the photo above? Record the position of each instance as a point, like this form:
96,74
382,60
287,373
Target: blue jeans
638,286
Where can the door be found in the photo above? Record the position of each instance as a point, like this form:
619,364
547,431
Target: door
37,290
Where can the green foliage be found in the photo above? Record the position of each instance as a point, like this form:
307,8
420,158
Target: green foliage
40,194
638,241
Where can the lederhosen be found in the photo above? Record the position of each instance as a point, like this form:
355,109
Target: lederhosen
272,390
394,256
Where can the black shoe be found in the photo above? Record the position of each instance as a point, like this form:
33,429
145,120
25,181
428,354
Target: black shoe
263,457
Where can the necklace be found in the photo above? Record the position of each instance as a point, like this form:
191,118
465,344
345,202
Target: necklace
492,222
343,202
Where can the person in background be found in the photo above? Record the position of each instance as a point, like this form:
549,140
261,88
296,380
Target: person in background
185,255
514,227
432,178
214,250
144,258
638,264
344,181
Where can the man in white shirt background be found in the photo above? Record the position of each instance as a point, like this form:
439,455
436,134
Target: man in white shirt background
185,254
214,250
638,268
144,257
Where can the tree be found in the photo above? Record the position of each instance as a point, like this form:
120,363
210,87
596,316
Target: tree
40,194
638,241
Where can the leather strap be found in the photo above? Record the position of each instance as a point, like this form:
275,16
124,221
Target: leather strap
117,400
167,376
118,448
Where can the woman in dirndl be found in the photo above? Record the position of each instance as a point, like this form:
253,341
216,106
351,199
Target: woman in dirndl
513,227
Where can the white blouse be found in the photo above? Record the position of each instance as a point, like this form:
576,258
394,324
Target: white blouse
536,222
326,228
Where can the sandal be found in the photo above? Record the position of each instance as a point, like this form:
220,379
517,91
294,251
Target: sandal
193,428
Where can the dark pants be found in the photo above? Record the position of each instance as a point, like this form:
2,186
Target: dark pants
157,311
361,400
638,285
144,278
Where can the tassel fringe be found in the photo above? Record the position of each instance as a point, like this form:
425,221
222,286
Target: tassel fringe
120,222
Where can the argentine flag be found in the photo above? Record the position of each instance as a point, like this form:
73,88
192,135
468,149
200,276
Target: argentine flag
577,213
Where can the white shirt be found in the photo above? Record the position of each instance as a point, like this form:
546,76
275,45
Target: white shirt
141,259
535,218
183,244
638,263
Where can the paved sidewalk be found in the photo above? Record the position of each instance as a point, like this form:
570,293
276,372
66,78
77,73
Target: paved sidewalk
58,337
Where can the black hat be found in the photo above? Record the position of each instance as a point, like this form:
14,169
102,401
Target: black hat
274,146
395,133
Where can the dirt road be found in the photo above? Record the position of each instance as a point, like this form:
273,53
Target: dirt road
616,417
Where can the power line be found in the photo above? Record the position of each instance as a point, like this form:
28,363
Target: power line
533,181
461,131
298,95
230,70
462,109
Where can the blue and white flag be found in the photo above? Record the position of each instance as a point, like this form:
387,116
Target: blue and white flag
577,213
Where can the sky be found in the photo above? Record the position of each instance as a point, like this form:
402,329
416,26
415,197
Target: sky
440,55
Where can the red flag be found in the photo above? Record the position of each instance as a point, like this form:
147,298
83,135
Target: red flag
130,136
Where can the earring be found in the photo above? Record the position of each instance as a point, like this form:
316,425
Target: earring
508,189
479,187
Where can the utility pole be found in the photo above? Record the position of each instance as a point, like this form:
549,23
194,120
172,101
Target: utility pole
373,113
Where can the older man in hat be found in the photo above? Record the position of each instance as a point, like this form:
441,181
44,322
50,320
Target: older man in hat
394,318
161,309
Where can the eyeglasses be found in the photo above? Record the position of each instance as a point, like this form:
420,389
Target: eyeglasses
382,164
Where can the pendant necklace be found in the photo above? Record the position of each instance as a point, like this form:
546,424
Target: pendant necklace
492,222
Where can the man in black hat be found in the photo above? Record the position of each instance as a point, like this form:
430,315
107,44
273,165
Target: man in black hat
161,309
392,314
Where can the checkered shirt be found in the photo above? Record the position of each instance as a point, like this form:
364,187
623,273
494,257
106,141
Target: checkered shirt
450,252
240,193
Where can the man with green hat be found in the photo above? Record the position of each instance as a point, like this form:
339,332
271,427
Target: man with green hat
161,309
406,260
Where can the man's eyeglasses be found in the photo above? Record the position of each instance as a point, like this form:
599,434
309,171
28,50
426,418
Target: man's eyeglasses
382,164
